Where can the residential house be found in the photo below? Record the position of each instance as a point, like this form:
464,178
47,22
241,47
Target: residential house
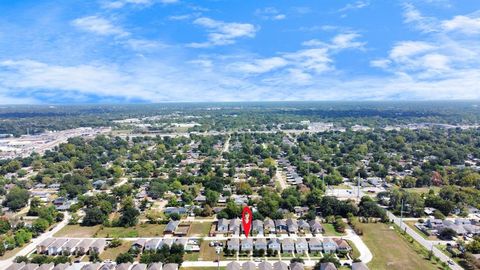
84,246
170,266
301,245
261,243
91,266
249,266
297,266
315,227
155,266
233,244
43,246
328,266
70,247
181,242
201,199
175,210
123,266
269,226
292,226
303,226
274,244
233,266
246,244
16,266
98,246
342,245
234,226
140,266
359,266
138,245
165,242
107,266
329,246
171,227
152,244
288,246
281,226
265,266
222,225
30,266
257,227
46,266
315,245
61,266
280,266
56,247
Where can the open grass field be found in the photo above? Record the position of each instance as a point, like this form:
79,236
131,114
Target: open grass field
77,231
390,250
207,253
141,230
330,230
200,229
10,253
423,190
112,253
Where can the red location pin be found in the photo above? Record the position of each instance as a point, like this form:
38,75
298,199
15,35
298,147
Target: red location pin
247,220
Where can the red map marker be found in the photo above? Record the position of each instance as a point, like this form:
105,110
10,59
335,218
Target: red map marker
247,220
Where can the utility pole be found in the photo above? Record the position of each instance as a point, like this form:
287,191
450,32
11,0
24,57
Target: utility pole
358,186
401,213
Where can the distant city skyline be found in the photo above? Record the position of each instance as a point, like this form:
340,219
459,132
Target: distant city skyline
142,51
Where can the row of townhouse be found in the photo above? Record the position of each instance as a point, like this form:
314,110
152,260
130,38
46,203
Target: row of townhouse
56,246
288,245
93,266
269,226
460,226
157,243
284,266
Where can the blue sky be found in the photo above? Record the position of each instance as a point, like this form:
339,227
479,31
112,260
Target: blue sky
121,51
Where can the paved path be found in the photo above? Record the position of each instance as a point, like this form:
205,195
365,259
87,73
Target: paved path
280,178
429,245
32,246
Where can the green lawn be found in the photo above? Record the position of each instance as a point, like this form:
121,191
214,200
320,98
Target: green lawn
355,253
330,230
112,253
141,230
391,251
200,228
77,231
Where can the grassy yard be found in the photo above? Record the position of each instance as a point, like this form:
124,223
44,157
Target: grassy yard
112,253
200,229
423,190
10,253
330,230
390,250
141,230
77,231
341,186
355,253
207,253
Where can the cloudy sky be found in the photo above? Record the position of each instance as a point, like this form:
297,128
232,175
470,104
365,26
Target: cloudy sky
121,51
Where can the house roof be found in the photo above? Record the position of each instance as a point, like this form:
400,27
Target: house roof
170,266
280,266
296,266
359,266
140,242
140,266
328,266
248,266
265,266
233,266
99,244
123,266
155,266
47,266
61,266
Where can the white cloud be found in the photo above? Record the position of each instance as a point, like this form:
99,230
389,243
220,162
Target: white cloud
270,13
413,16
405,49
121,3
222,33
346,40
99,26
463,24
259,65
356,5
